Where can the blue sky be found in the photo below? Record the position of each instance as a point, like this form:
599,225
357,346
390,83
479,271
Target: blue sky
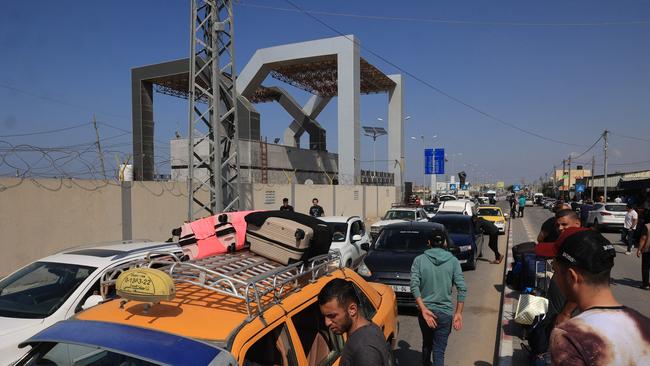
563,70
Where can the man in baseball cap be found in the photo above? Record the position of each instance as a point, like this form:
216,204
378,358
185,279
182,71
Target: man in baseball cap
605,332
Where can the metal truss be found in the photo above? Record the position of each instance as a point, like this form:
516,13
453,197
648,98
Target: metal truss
212,78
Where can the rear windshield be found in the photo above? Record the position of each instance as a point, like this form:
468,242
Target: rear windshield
400,215
489,212
402,240
455,226
430,208
616,208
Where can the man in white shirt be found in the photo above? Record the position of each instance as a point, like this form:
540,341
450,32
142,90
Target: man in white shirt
618,199
631,218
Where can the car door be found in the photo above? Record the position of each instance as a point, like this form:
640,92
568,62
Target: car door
355,246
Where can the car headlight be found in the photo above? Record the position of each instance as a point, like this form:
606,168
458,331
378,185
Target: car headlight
374,229
500,222
465,248
363,270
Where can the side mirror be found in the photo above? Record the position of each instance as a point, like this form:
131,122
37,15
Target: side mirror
356,237
91,301
365,246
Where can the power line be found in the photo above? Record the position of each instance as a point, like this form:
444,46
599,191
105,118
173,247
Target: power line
449,21
45,132
589,149
431,86
630,137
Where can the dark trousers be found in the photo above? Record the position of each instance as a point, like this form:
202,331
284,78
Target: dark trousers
434,341
521,211
494,245
627,237
645,268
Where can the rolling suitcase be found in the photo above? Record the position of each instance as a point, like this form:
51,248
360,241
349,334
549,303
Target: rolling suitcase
281,240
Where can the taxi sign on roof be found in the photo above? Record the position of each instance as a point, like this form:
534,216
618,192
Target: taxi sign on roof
145,284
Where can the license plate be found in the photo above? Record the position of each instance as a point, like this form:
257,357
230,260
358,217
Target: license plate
398,288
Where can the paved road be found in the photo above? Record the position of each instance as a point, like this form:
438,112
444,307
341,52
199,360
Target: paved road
626,274
475,343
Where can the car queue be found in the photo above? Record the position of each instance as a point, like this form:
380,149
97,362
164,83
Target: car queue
229,309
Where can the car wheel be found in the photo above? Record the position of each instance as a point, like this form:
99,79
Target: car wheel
471,264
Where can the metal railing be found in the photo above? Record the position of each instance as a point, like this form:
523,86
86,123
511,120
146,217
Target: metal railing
256,280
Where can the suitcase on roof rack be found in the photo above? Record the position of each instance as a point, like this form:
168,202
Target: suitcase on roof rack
281,240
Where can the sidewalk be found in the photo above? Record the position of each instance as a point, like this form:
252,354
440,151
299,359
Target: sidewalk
511,333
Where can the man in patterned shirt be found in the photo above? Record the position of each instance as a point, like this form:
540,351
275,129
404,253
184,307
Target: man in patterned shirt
606,332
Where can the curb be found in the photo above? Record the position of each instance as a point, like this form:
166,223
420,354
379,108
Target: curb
505,350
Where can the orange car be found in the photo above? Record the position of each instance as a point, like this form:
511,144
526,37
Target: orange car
245,306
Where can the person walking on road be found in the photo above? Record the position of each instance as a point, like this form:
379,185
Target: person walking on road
286,206
433,274
513,206
522,205
488,228
644,250
606,332
315,210
629,225
366,346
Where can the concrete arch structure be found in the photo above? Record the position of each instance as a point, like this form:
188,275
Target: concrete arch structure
327,68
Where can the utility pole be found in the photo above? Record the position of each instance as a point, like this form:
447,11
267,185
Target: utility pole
593,169
554,181
99,148
605,168
568,189
563,180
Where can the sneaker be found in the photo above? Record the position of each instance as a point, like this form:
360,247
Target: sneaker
628,253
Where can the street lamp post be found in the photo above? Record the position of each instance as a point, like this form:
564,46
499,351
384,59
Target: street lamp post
374,132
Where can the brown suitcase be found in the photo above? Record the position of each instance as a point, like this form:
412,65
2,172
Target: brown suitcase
281,240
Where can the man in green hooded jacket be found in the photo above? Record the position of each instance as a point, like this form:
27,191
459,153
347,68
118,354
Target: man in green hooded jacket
432,276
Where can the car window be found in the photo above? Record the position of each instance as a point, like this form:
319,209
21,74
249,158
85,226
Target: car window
339,230
321,345
362,228
402,240
598,206
355,229
455,226
274,348
399,215
489,212
368,308
38,290
616,208
78,355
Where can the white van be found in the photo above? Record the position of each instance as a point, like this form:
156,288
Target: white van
462,207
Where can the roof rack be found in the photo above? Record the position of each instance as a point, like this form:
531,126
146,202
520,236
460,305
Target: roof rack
259,281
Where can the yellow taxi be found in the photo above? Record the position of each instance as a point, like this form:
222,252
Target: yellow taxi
494,214
232,309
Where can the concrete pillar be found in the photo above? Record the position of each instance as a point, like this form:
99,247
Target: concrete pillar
349,87
396,133
143,128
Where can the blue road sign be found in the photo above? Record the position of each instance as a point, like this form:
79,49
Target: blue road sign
439,161
580,187
516,188
428,161
452,186
464,186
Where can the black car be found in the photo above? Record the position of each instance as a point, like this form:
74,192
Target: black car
389,259
465,236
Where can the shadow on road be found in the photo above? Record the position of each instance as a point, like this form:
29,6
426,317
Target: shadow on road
404,355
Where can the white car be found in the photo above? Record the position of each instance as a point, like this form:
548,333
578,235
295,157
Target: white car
58,286
608,215
463,207
348,233
398,214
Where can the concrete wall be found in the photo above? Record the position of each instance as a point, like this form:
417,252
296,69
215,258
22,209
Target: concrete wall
39,217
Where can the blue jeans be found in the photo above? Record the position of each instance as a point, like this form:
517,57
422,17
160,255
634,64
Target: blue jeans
435,340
